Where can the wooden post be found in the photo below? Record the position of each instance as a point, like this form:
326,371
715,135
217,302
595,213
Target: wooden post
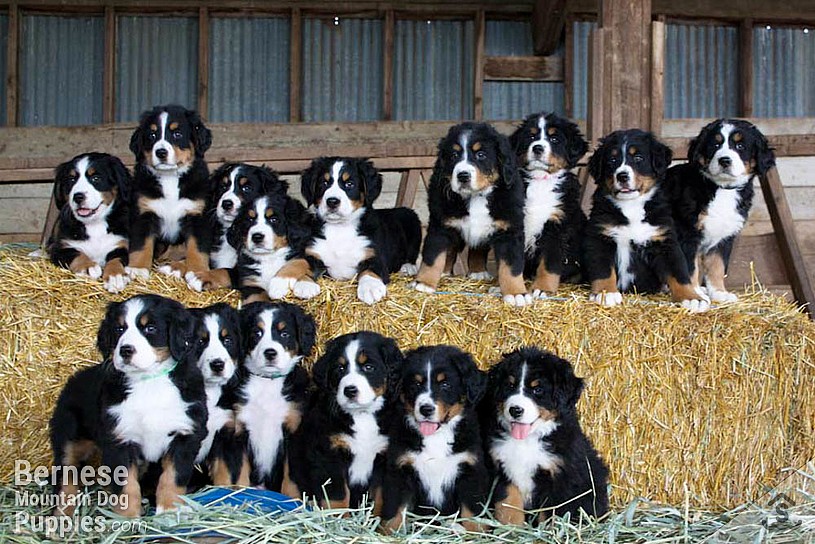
478,84
109,76
568,69
657,76
784,228
387,66
548,18
746,68
203,62
296,66
12,75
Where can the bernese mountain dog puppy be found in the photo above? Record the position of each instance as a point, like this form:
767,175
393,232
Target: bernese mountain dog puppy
270,235
91,234
630,241
476,199
712,194
435,459
171,190
548,147
217,352
338,453
144,407
233,185
536,450
273,389
351,237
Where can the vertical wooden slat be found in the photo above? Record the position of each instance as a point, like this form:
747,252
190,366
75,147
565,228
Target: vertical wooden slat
478,87
568,68
12,74
109,76
746,68
296,66
387,67
657,76
203,62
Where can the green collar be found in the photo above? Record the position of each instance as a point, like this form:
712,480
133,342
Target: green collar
273,376
160,373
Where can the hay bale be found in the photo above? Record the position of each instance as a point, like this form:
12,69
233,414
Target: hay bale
701,409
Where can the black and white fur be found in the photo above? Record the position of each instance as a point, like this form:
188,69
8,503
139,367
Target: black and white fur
351,237
92,192
338,453
712,195
538,455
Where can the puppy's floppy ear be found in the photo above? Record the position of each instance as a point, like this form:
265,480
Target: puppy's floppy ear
695,147
576,145
475,381
236,233
371,180
201,135
182,330
106,336
122,177
247,316
137,138
393,358
62,183
319,371
298,223
763,153
568,390
308,182
597,161
516,140
661,156
270,182
306,330
507,161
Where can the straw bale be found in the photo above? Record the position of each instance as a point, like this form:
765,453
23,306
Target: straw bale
699,409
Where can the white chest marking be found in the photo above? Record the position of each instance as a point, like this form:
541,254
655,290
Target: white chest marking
217,417
365,445
151,415
225,256
263,416
521,460
636,233
543,202
436,465
722,220
342,249
477,226
99,243
269,264
170,208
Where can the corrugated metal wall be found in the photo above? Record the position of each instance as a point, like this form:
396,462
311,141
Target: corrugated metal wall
61,63
581,31
433,70
3,67
517,99
342,69
783,72
249,70
156,63
701,71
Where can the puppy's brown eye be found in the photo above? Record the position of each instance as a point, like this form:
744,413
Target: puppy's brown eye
227,342
368,367
538,391
284,334
480,155
150,329
119,329
445,385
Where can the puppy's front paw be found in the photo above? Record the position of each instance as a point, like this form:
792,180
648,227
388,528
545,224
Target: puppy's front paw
408,269
306,289
523,299
194,282
371,290
722,297
170,270
696,305
539,294
137,273
280,287
607,299
117,283
480,276
422,287
95,272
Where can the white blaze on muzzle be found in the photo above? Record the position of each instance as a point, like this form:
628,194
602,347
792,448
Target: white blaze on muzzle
365,398
224,216
170,162
269,358
345,208
731,173
92,208
133,351
215,351
539,161
465,167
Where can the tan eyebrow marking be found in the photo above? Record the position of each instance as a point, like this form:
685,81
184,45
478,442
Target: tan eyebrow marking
477,146
345,176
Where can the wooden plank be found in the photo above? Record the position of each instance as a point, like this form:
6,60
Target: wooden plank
109,75
480,69
548,20
757,255
51,217
387,66
568,69
596,119
746,68
523,68
12,58
790,11
296,66
657,76
203,62
408,186
782,220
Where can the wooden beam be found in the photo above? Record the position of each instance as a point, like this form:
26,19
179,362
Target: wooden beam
387,66
657,76
568,69
523,68
12,59
203,62
783,225
789,11
296,66
109,75
548,19
478,84
746,68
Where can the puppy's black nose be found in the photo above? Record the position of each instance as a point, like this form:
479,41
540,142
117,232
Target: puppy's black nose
463,178
350,391
258,237
427,410
217,365
537,149
516,411
227,205
127,351
332,202
725,162
623,178
79,198
161,154
270,354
